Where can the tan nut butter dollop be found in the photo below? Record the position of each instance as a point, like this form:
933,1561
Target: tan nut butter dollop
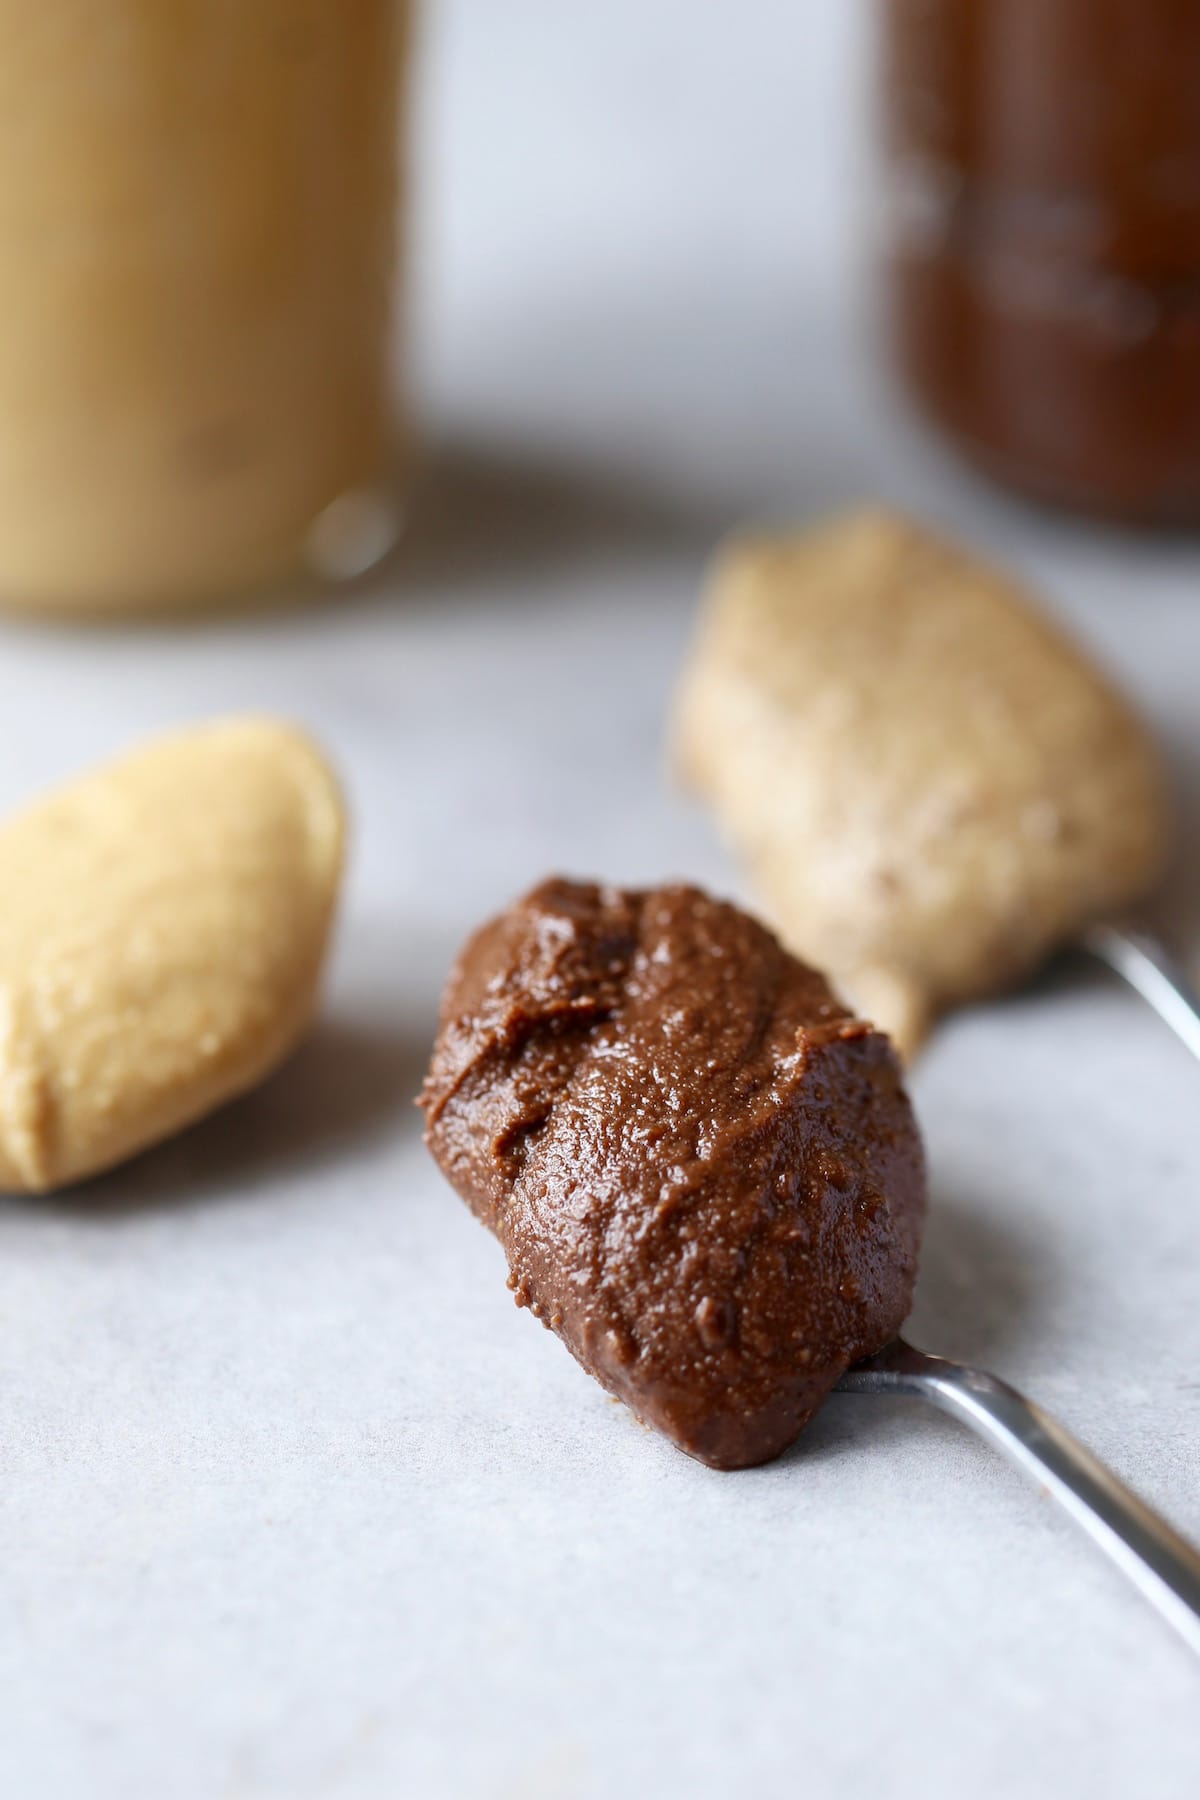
163,925
931,785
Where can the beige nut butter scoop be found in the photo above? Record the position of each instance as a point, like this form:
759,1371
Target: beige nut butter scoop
931,785
163,924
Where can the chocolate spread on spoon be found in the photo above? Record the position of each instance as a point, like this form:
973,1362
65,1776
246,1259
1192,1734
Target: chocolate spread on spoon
704,1172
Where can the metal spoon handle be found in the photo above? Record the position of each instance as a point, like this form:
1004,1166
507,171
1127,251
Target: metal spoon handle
1162,1563
1143,960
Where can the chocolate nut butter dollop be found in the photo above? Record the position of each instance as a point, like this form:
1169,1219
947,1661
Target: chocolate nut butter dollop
705,1173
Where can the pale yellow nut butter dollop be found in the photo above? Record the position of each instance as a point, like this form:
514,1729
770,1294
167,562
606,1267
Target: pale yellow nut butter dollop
163,924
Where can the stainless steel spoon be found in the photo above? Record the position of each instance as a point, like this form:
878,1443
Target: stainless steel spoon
1162,1563
1141,958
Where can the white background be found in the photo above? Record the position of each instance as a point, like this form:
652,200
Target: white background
294,1502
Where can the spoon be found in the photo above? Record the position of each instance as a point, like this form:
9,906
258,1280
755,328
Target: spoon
1141,958
1162,1563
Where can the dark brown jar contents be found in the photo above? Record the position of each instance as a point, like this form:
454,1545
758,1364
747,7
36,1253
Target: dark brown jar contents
1044,164
704,1172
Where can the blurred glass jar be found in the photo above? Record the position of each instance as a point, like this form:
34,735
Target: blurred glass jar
197,237
1044,216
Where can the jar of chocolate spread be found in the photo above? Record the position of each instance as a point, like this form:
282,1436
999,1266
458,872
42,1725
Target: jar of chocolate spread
1044,240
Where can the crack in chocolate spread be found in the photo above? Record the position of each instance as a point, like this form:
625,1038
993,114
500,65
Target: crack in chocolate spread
705,1173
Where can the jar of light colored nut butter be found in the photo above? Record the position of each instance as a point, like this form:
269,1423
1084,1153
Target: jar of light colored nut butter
198,237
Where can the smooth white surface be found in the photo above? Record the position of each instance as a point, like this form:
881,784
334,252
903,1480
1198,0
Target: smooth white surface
294,1503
